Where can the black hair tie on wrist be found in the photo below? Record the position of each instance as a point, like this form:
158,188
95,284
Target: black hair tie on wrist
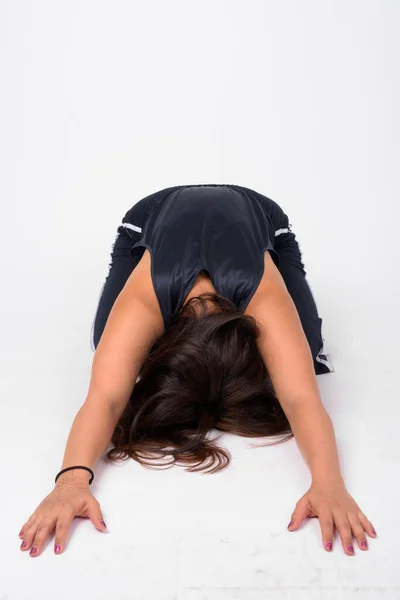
76,467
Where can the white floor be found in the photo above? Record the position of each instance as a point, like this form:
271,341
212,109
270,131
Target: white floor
103,103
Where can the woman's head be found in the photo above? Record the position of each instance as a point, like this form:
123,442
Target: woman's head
205,372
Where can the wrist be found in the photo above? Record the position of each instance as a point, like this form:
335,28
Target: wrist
74,477
328,481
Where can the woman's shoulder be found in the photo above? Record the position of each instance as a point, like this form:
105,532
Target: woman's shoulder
262,198
141,210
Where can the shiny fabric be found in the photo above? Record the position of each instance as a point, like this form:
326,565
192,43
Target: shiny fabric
216,228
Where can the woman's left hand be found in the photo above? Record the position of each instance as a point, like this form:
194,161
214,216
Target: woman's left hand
334,507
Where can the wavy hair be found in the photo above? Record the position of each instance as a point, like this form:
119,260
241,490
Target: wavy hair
205,372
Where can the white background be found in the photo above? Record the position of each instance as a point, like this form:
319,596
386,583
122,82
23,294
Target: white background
102,103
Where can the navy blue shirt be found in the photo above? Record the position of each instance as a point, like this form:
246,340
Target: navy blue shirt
220,229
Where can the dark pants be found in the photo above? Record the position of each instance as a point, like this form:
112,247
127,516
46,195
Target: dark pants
291,268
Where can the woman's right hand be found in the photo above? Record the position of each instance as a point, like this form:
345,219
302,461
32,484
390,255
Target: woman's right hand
69,499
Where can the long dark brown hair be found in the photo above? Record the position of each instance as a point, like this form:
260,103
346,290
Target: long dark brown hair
205,372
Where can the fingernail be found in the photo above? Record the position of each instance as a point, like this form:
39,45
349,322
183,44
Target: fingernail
102,523
33,550
350,548
328,545
373,532
57,548
24,544
21,533
364,544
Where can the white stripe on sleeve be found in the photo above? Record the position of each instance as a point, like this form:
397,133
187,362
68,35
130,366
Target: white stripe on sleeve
279,231
133,227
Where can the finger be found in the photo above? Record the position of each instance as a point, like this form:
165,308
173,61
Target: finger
327,529
23,529
358,531
29,531
45,527
95,515
62,527
299,514
344,530
25,526
367,525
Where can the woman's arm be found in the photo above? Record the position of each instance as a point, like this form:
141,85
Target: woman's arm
132,327
286,353
134,324
127,337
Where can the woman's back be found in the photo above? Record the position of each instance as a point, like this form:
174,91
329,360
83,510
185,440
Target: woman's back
219,229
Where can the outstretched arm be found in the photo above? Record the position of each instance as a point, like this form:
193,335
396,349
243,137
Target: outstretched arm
287,356
134,324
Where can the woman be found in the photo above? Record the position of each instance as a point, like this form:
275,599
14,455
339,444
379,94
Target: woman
205,321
